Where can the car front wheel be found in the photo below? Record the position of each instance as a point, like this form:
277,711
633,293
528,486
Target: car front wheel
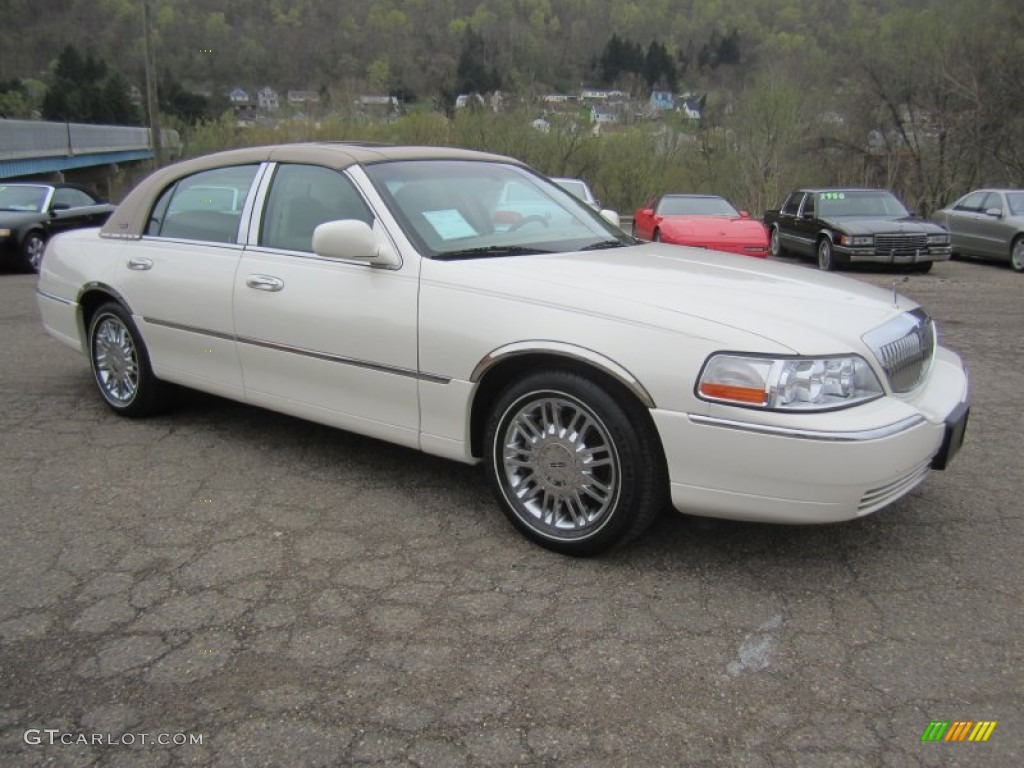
576,469
32,251
826,256
1017,254
120,365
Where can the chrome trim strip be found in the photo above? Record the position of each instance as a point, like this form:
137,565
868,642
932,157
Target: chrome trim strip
810,434
561,349
408,372
58,299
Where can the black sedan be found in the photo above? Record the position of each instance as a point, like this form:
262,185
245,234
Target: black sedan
30,213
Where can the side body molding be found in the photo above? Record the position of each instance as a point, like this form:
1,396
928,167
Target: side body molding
562,349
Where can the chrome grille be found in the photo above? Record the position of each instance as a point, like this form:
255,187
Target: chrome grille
900,246
904,347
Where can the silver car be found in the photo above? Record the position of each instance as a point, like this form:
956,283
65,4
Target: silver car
988,224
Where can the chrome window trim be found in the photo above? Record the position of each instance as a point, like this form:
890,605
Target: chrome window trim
326,356
854,436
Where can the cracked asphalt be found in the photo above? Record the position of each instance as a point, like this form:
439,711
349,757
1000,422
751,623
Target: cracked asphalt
291,595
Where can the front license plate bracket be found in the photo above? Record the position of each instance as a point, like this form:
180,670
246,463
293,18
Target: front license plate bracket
953,439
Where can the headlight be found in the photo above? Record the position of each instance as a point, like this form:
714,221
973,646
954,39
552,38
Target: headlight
5,233
789,383
857,240
940,239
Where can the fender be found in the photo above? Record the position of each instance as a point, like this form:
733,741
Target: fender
563,349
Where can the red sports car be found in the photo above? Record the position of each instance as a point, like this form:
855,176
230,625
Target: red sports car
701,221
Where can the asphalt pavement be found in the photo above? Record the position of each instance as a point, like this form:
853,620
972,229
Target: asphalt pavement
225,586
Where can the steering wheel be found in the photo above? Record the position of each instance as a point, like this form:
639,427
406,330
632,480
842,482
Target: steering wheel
534,218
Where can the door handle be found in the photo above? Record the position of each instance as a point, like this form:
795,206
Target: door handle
264,282
140,264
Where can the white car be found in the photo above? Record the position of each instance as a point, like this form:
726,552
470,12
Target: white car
386,291
581,189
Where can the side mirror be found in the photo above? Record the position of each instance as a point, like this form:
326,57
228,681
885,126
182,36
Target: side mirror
744,214
57,208
353,240
996,213
611,216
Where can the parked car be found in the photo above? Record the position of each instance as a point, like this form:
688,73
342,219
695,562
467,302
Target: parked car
843,226
987,224
30,213
595,378
581,189
701,221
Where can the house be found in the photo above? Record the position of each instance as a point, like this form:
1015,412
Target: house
662,100
266,98
603,116
691,108
468,99
303,97
239,97
377,106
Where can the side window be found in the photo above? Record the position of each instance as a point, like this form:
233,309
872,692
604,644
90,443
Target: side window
206,206
792,203
992,200
301,198
971,203
72,198
809,206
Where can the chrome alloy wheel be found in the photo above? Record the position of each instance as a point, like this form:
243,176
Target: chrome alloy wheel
115,361
32,250
1017,254
561,466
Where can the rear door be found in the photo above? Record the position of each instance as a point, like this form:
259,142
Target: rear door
790,230
179,278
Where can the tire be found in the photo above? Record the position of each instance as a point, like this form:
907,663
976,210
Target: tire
1017,254
827,259
120,365
575,468
775,244
32,251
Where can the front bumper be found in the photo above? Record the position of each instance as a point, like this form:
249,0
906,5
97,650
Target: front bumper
832,471
869,254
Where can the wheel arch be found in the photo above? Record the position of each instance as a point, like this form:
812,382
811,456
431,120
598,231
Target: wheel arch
92,297
502,366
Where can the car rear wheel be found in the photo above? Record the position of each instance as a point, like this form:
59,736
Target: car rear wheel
775,244
1017,254
576,468
120,365
32,251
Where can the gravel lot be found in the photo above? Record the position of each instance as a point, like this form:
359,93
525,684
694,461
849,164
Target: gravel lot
296,596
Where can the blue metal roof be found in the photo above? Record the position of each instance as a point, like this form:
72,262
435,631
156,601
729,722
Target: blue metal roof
39,165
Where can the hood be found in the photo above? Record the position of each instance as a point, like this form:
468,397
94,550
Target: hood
17,218
873,225
690,291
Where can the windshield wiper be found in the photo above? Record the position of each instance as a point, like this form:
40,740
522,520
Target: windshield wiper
491,250
600,245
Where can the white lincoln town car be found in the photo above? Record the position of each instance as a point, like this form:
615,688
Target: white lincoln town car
462,304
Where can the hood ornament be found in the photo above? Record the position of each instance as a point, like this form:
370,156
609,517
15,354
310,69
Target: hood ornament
895,293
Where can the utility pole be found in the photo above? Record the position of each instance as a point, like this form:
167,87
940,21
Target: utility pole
152,103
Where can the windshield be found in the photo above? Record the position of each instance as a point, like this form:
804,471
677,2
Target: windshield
577,188
867,202
695,206
23,198
1016,202
476,208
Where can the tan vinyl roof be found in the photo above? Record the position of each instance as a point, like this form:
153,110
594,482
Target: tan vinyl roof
129,220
